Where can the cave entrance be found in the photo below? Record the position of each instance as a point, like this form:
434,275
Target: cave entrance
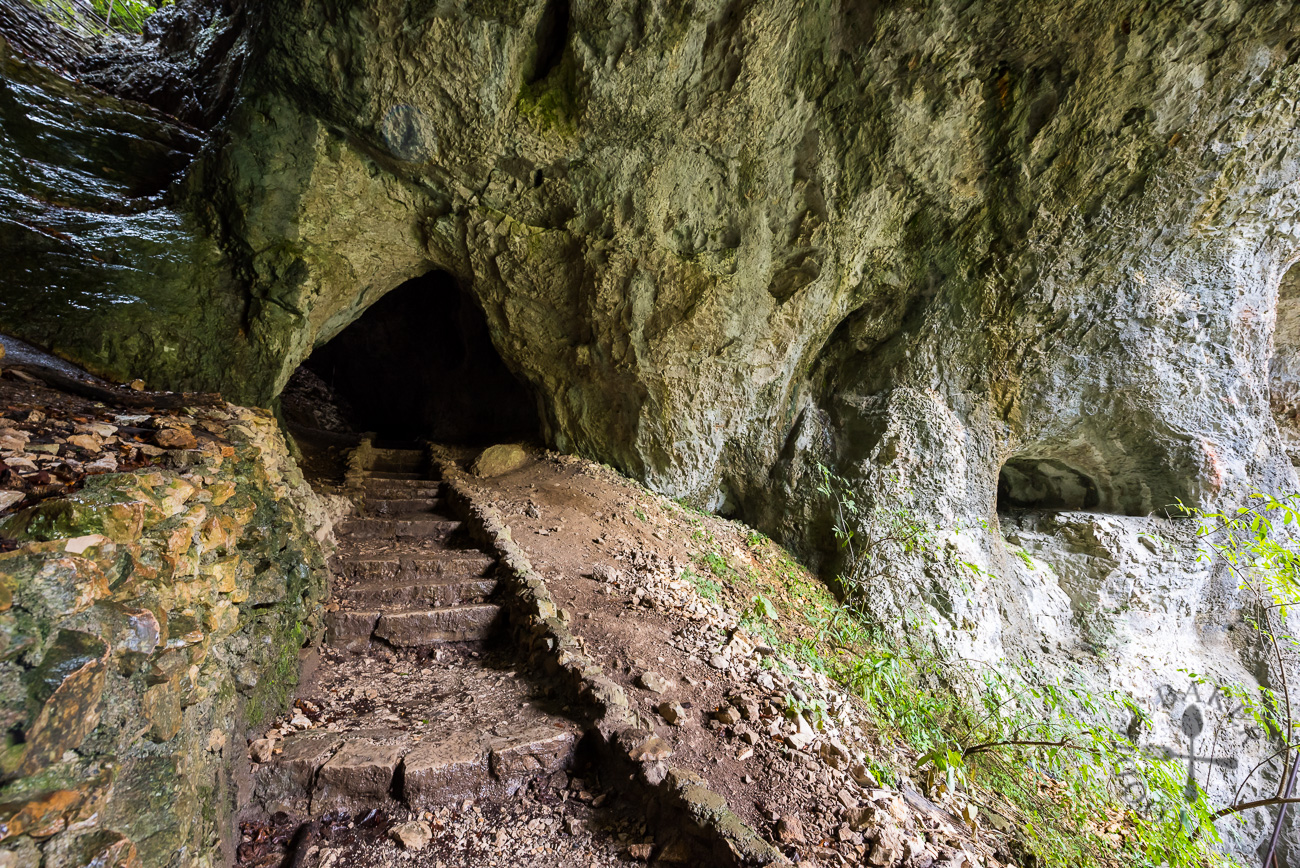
419,363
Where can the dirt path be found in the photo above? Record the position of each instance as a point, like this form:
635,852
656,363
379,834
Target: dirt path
417,741
659,594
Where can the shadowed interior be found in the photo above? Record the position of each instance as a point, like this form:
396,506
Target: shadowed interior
420,363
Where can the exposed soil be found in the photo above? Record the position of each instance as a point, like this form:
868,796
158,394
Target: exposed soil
642,580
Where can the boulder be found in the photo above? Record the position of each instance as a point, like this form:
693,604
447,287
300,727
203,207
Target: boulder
501,459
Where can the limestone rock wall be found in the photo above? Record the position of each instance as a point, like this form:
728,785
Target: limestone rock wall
146,622
944,248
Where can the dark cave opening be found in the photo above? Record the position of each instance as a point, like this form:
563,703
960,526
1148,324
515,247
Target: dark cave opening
1045,484
551,38
419,363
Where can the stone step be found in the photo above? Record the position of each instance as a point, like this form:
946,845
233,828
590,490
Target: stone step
397,467
394,460
398,528
317,772
354,628
399,489
402,506
478,765
389,475
412,595
445,565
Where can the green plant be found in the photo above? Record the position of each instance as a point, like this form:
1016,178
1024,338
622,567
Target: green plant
1260,545
706,588
871,537
100,16
1045,752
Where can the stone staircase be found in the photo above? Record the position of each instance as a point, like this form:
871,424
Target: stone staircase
411,708
396,577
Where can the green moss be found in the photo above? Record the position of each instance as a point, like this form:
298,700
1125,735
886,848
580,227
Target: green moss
554,105
273,690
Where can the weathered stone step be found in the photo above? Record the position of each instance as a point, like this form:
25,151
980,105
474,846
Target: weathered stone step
398,528
473,765
444,565
411,595
401,489
352,628
397,467
403,506
397,456
318,772
389,475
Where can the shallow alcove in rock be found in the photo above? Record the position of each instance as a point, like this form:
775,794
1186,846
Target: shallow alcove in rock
1284,366
420,363
1045,484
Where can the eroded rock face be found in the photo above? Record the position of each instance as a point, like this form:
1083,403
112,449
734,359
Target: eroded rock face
967,257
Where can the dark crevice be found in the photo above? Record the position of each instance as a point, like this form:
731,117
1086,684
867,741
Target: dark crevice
552,37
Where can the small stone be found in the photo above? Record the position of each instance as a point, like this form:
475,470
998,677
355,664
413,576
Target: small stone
652,749
888,847
9,498
834,754
672,712
413,835
103,464
573,825
861,818
745,753
137,385
88,442
863,777
605,573
790,831
176,438
261,750
717,661
654,682
640,852
802,736
727,715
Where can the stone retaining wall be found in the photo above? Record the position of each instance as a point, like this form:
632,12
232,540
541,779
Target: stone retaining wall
693,823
